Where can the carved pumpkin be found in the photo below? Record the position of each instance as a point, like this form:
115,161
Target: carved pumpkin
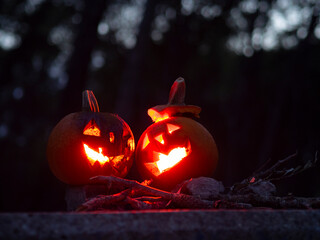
90,143
175,147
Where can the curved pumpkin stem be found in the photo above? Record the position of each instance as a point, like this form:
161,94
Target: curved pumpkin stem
177,92
89,102
175,105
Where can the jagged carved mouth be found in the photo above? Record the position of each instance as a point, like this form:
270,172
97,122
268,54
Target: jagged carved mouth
164,162
97,157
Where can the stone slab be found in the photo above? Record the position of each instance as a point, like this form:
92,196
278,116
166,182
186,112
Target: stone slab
164,224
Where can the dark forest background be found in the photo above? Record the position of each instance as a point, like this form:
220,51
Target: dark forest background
253,66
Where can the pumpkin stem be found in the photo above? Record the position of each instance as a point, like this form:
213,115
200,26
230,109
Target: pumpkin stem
177,92
89,102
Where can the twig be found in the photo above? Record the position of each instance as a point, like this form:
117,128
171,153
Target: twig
149,199
262,167
117,182
102,201
138,205
275,172
267,173
179,200
139,196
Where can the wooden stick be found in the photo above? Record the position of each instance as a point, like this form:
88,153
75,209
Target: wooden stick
180,200
267,173
138,205
150,199
223,201
275,172
101,201
139,196
120,183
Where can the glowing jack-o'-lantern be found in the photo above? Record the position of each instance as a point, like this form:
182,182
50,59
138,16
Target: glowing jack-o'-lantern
90,143
175,147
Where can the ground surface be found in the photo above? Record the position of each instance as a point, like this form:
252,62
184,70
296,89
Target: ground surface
172,224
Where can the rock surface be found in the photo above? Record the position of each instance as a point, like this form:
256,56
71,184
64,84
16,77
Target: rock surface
262,188
204,187
165,224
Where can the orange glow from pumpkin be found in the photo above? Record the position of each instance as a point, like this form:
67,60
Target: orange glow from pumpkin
111,137
165,162
156,116
131,144
146,142
94,156
91,129
159,138
172,128
168,161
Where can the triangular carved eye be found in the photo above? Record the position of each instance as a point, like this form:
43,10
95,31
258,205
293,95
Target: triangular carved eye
159,138
146,142
91,129
172,128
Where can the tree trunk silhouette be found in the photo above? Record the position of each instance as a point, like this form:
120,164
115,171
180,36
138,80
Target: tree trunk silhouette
79,61
132,78
177,50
